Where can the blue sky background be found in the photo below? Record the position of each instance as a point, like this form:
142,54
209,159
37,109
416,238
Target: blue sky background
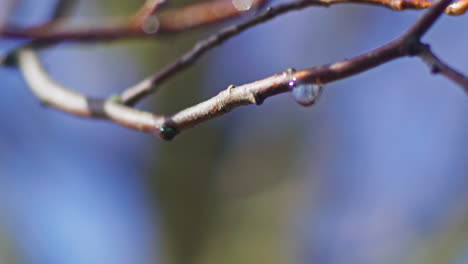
384,152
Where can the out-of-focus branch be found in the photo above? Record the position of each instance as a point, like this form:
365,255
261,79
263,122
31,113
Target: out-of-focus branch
205,13
148,9
8,8
62,9
168,127
175,20
195,15
456,8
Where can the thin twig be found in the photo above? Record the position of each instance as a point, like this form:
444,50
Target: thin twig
149,85
457,8
195,15
148,9
203,13
257,92
176,20
167,127
52,94
62,9
135,93
426,21
438,67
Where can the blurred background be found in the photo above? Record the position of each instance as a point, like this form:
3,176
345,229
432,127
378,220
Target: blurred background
376,172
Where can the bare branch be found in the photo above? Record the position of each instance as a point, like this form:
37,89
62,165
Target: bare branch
62,9
457,8
204,13
52,94
195,15
437,66
148,9
149,85
135,93
426,21
176,20
257,92
167,127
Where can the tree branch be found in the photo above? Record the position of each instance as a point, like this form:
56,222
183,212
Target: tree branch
147,10
135,93
438,67
426,21
61,9
167,127
176,20
149,85
52,94
195,15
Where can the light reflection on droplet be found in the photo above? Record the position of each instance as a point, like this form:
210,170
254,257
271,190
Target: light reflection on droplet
292,82
150,25
307,94
288,73
242,5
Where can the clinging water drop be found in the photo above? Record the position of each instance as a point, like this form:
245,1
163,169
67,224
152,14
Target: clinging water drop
307,94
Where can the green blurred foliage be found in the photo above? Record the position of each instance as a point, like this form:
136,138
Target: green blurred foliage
7,252
218,203
447,245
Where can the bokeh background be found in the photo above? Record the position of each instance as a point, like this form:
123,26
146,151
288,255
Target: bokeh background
377,172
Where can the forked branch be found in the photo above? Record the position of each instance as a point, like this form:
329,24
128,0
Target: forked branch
188,17
408,44
149,85
170,21
437,66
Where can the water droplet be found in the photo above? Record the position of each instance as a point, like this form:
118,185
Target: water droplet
150,25
288,73
307,94
292,82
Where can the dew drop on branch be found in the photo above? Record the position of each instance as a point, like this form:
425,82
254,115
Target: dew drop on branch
307,94
150,25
